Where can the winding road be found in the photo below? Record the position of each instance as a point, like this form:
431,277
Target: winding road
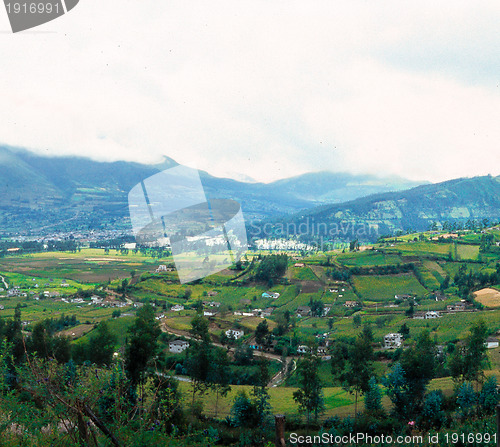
275,380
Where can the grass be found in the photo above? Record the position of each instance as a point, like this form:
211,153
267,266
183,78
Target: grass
368,258
117,326
436,270
383,288
301,300
423,249
337,401
468,252
429,280
451,268
303,274
179,323
288,295
87,266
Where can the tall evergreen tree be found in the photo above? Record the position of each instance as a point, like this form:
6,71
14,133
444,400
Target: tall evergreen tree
142,343
309,396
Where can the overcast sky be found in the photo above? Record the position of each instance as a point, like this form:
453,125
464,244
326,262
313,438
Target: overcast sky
266,89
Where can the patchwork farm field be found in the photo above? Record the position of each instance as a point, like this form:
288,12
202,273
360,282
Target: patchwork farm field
488,297
442,250
383,288
466,252
87,266
368,258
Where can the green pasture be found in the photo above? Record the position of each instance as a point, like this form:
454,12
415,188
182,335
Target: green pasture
337,401
467,252
303,274
368,258
383,288
428,278
302,300
429,249
35,310
117,326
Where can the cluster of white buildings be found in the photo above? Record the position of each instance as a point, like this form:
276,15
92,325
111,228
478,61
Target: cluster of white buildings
282,244
235,334
255,312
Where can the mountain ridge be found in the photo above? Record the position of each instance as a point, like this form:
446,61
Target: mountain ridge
456,200
45,189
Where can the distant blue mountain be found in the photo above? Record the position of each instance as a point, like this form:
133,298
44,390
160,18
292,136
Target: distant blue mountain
65,193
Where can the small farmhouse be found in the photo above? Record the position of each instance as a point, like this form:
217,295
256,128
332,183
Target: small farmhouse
177,307
177,346
236,334
491,343
457,307
272,295
303,311
302,349
351,304
393,340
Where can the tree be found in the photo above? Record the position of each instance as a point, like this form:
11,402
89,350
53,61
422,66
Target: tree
309,396
167,403
433,415
411,310
419,363
489,396
218,375
261,396
13,334
46,345
356,321
243,412
141,346
243,355
373,397
271,267
467,363
101,346
317,307
199,328
352,365
198,356
404,330
261,332
466,400
397,388
330,323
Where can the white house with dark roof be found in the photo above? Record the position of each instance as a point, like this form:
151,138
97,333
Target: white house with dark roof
177,346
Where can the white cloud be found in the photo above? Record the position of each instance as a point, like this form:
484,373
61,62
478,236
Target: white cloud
266,89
